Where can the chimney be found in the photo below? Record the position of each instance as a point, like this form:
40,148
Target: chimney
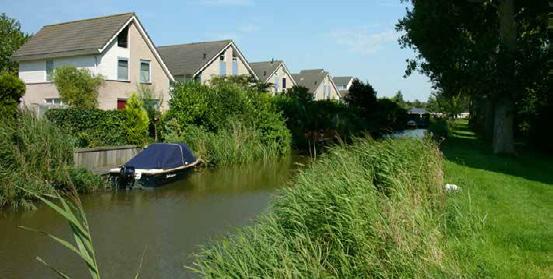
205,56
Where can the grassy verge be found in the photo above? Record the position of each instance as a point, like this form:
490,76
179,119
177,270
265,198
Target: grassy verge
36,157
512,199
372,209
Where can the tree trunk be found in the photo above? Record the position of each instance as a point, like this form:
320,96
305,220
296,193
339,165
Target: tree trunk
503,134
503,141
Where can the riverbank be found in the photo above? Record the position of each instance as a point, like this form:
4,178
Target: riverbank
509,199
371,209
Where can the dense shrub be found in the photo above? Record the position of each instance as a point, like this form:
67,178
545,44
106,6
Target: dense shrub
77,87
440,128
372,209
226,118
137,128
38,157
313,122
92,127
11,90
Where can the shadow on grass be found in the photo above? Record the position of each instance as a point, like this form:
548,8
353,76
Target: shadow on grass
464,148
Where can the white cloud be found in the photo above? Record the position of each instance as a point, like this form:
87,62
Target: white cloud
227,2
362,40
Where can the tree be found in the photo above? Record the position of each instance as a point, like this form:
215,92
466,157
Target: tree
398,99
12,39
137,119
362,96
473,48
11,91
449,105
77,87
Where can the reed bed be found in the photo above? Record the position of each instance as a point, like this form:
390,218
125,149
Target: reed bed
38,157
371,209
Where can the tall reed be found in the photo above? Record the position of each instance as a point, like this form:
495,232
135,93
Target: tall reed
372,209
37,156
70,208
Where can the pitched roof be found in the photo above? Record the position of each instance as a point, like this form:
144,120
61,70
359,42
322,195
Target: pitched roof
311,79
342,80
80,37
264,69
188,59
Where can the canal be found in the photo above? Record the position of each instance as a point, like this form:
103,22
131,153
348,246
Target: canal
169,224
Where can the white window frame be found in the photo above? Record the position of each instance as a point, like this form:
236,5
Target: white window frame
52,101
117,71
149,71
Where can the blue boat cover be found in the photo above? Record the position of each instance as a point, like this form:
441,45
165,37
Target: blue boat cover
162,156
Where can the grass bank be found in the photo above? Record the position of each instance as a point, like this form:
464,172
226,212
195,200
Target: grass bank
37,157
371,209
510,199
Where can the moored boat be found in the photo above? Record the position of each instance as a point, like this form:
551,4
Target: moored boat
156,165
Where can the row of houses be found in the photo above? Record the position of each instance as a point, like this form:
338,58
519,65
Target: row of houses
119,48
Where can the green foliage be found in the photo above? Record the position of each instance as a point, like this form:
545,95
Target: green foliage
449,105
11,90
137,121
467,48
36,157
77,87
92,127
361,96
313,122
202,115
369,210
440,128
12,39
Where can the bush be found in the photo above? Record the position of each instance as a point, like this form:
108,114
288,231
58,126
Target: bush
439,128
208,117
312,121
372,209
77,87
137,128
11,91
92,127
37,156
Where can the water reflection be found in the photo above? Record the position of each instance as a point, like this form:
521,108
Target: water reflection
169,223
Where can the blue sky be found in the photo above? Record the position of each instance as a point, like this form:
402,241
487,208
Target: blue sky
355,37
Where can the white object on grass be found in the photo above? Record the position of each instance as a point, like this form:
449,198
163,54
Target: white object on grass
452,188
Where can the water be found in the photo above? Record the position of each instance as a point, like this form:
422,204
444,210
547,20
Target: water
169,224
412,133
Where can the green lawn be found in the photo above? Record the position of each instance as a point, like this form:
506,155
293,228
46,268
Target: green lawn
508,204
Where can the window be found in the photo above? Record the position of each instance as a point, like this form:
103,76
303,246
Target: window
123,69
145,71
234,66
123,38
49,69
53,101
222,66
121,104
283,83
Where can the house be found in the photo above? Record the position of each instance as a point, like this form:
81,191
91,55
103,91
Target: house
343,84
274,72
116,47
205,60
319,83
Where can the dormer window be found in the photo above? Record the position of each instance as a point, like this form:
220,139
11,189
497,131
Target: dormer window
123,38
